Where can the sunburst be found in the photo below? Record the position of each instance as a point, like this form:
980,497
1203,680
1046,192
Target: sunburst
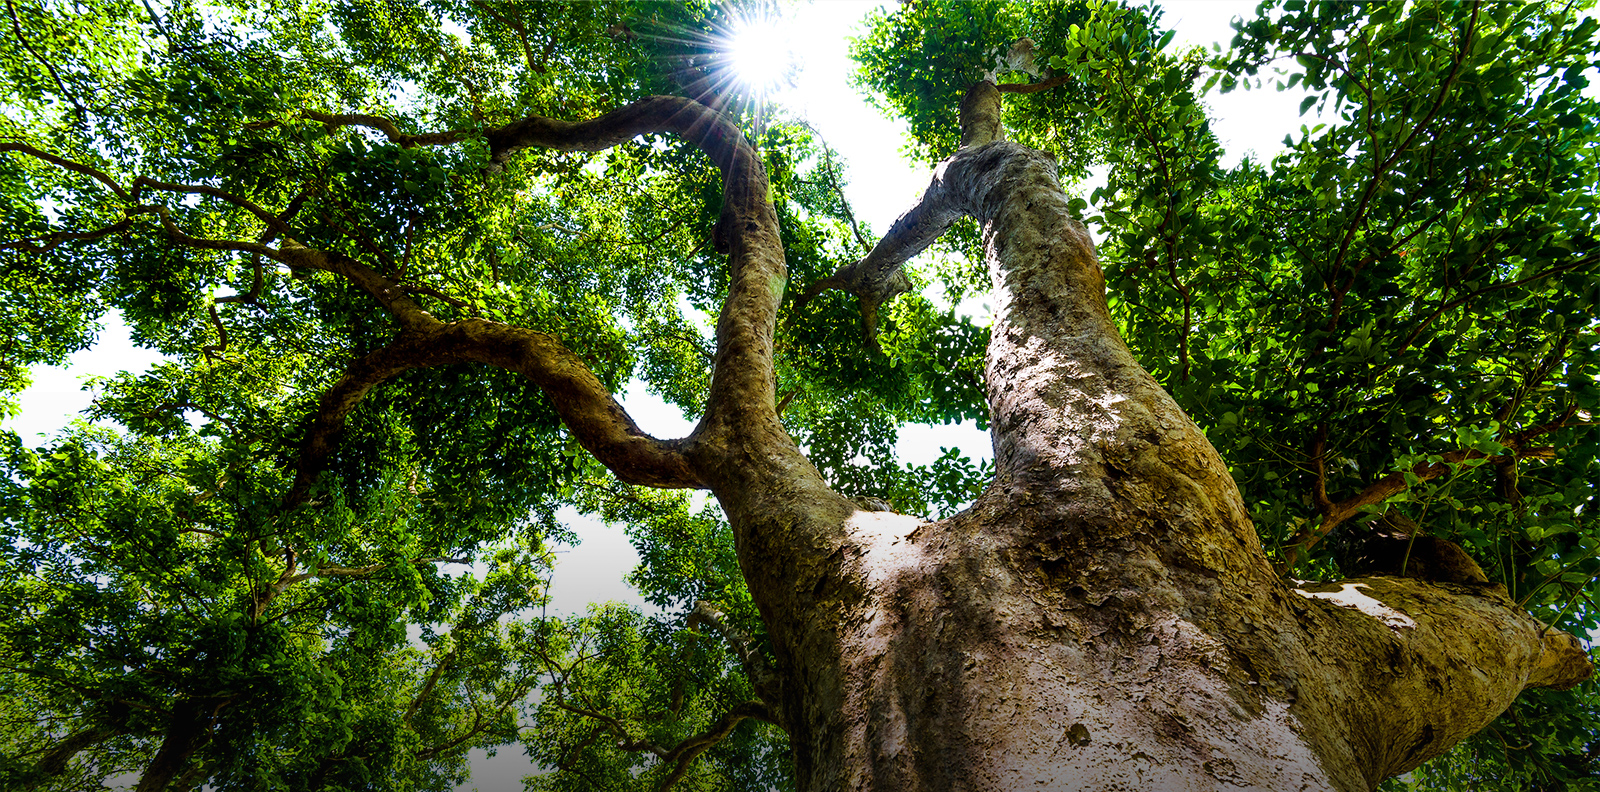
742,64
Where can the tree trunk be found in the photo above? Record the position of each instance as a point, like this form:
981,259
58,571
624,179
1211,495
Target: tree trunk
1103,617
188,730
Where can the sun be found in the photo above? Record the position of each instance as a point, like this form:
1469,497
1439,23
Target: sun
761,54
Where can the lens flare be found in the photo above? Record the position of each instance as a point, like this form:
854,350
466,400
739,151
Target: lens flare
761,54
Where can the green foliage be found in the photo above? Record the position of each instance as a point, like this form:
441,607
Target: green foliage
140,569
1415,279
165,584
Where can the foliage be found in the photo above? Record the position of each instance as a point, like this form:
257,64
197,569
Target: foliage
1407,293
185,611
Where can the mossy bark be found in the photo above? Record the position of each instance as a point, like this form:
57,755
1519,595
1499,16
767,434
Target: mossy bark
1103,617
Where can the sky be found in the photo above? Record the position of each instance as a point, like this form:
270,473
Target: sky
880,186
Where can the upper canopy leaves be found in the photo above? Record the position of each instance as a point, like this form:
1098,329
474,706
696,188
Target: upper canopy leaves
188,602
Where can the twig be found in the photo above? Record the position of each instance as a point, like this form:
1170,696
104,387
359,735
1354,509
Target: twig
16,25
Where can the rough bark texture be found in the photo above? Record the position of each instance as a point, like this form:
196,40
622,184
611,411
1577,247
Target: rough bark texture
1103,617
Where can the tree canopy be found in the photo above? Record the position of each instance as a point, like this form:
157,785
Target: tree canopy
312,550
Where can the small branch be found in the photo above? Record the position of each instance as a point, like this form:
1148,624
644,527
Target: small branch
1319,465
249,297
783,402
276,224
388,128
683,754
628,743
16,26
1188,302
762,677
272,221
202,243
577,750
878,277
517,28
363,240
427,687
49,241
389,293
1545,273
418,288
222,332
289,578
76,167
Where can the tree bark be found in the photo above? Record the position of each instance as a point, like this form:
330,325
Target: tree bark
1103,616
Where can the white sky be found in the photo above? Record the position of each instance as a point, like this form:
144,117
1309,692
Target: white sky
881,186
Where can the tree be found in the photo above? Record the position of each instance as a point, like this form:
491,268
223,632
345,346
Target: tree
401,290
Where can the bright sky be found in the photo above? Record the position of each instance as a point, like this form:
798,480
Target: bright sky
881,186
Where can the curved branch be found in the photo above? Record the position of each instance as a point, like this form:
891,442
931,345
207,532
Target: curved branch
742,395
748,229
586,406
683,754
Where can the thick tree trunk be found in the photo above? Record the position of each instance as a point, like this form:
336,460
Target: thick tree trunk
1103,617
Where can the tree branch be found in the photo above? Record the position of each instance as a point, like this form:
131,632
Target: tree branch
16,26
517,28
628,743
54,762
766,682
75,167
388,128
584,403
684,753
1395,483
40,244
878,277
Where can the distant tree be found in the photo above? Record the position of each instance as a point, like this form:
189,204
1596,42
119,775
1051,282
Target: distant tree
399,291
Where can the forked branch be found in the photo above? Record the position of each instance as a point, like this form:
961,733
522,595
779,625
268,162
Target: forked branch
879,276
